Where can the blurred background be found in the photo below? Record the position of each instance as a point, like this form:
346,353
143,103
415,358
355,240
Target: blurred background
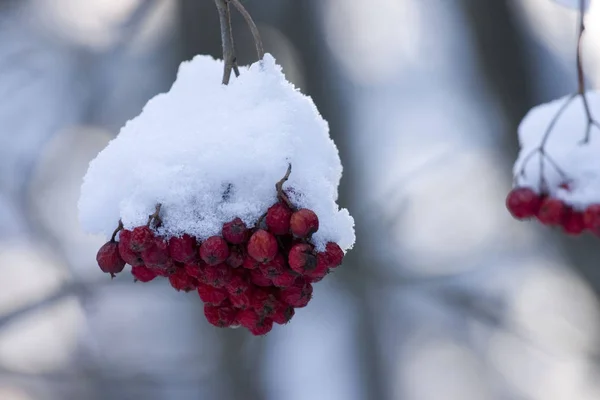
443,297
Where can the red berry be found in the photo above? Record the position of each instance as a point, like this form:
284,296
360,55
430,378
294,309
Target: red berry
142,273
259,279
142,237
523,203
241,300
236,257
304,223
283,314
302,258
262,246
262,327
278,219
129,256
334,254
235,232
264,302
248,318
181,281
196,269
238,284
321,269
275,267
156,255
286,279
297,295
211,295
218,275
214,250
572,222
552,211
220,316
591,217
109,260
182,249
251,263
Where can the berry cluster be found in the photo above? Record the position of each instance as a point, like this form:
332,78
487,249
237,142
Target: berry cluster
524,203
252,277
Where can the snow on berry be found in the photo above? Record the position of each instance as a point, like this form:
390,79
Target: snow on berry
229,190
211,153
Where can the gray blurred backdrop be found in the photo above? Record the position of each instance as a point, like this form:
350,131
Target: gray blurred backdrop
444,296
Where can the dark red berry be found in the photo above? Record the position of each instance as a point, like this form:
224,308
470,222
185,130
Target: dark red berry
283,314
142,237
523,203
278,219
334,254
572,222
251,263
286,279
211,295
142,273
297,295
259,279
304,223
236,257
235,232
214,250
129,256
302,258
109,260
196,269
552,211
591,217
248,318
241,300
262,246
182,249
275,267
181,281
156,255
264,302
218,275
262,327
238,284
220,316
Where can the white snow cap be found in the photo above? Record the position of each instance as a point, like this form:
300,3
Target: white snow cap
209,153
579,162
575,4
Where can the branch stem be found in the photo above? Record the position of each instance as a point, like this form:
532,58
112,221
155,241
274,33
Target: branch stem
260,50
229,58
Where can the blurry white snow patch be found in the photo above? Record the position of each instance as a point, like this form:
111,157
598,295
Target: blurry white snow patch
209,153
568,161
575,4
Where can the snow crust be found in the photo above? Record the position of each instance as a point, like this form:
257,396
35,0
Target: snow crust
575,4
209,153
579,162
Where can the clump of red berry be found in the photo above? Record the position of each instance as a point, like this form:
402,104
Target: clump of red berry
524,203
246,276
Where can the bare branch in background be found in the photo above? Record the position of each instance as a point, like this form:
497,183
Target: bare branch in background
229,58
260,50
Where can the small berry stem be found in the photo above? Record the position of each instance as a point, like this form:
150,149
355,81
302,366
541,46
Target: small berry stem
119,228
154,217
279,187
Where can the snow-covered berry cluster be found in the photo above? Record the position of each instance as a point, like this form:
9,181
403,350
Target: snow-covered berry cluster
195,182
252,277
557,174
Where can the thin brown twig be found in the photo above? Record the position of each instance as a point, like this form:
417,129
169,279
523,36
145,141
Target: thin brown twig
119,228
260,50
279,187
229,59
